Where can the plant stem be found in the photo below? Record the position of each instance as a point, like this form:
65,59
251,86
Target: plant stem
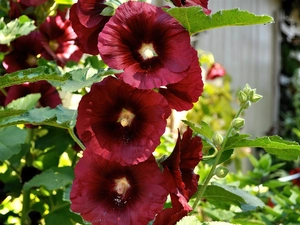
75,138
201,191
26,207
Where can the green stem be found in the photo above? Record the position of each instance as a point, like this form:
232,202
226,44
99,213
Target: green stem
26,207
211,173
75,138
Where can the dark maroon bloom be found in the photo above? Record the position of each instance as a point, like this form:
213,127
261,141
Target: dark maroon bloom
150,46
59,40
187,3
183,94
87,23
104,192
170,216
121,123
49,94
3,94
215,71
181,163
32,2
297,180
24,54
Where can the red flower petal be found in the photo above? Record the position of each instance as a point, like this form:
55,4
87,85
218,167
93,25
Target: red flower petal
187,3
101,128
88,37
95,194
183,94
215,71
150,46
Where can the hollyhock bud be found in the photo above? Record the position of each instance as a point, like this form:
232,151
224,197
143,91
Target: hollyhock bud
242,97
238,123
221,171
217,139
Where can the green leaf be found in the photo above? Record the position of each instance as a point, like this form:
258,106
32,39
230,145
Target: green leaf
282,149
224,157
58,117
189,220
15,28
31,75
51,179
231,141
65,2
232,195
195,20
203,130
11,140
25,103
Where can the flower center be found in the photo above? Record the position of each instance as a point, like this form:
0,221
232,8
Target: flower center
53,45
121,186
147,51
125,117
31,60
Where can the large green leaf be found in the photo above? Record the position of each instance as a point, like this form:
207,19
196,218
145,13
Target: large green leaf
286,150
11,140
58,117
232,195
15,28
51,179
195,20
31,75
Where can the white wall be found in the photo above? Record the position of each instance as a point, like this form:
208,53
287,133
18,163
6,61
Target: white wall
250,55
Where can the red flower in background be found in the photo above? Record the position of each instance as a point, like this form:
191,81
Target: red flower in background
104,192
24,54
121,123
187,3
49,94
59,40
21,7
215,71
297,180
181,95
150,46
87,23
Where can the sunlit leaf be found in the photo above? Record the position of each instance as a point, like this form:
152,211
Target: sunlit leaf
195,20
25,103
189,220
11,140
15,28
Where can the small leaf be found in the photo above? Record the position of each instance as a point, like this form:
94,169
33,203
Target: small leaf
203,130
224,157
25,103
11,140
51,179
15,28
65,2
233,195
195,20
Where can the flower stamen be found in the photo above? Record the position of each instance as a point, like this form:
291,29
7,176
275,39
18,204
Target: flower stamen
125,118
147,51
121,186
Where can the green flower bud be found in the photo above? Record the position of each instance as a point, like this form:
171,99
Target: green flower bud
247,89
221,172
242,97
238,123
234,132
255,98
247,105
217,139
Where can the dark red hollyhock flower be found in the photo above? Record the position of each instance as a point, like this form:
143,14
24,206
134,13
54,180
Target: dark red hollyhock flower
170,216
59,40
3,94
121,123
297,180
49,94
187,3
104,192
87,23
215,71
181,95
182,161
150,46
24,54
